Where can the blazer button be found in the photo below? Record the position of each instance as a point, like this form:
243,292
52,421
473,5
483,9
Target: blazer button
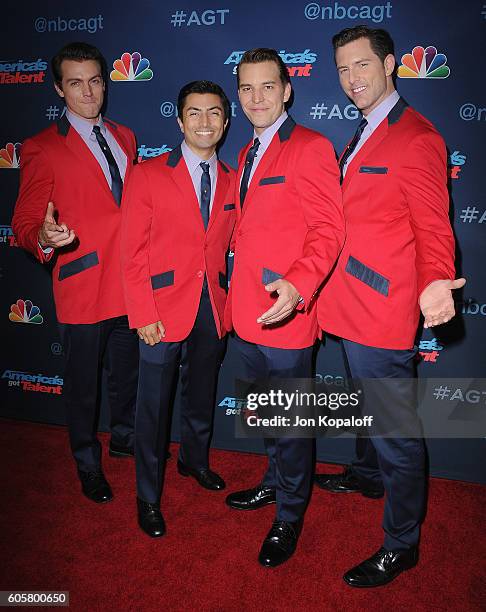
199,273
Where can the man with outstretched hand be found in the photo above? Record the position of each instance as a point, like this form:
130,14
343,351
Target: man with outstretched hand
398,262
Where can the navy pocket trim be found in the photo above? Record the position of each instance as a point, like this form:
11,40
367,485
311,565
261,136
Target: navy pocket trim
78,265
272,180
223,281
229,207
269,276
368,276
166,279
373,170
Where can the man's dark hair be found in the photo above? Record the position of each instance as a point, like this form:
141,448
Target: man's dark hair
257,56
202,87
380,40
78,52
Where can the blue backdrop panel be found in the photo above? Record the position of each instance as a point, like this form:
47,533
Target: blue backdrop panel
187,40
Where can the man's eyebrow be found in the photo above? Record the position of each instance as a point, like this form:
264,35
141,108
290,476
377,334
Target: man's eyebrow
197,108
96,76
264,83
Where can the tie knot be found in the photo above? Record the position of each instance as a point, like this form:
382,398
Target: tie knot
205,167
96,129
362,124
256,144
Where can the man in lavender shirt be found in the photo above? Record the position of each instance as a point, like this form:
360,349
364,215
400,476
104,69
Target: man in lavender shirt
178,218
69,212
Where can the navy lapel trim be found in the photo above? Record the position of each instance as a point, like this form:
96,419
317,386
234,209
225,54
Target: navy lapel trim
63,126
397,111
110,123
225,168
174,157
286,129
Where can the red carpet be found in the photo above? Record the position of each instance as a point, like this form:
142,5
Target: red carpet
54,538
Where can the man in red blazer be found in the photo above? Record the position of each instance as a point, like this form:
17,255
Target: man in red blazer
68,211
178,218
290,231
398,260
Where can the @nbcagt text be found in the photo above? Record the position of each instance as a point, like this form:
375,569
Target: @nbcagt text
281,399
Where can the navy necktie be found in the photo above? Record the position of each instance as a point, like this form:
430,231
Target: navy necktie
352,145
116,180
205,193
250,157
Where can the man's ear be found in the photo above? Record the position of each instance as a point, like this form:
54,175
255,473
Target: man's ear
58,90
287,92
389,64
181,125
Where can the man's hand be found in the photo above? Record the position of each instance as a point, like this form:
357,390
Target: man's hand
52,234
288,298
436,302
152,333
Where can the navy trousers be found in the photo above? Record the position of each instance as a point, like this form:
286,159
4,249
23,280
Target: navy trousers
199,357
289,459
88,348
396,463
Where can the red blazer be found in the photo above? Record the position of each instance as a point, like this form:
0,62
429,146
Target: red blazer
57,165
399,237
166,250
291,227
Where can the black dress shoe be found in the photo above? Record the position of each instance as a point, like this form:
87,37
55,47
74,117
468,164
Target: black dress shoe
95,486
150,518
346,482
252,499
381,568
117,450
205,477
280,543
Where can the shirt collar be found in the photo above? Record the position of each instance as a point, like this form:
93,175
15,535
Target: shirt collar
192,160
266,136
381,111
84,127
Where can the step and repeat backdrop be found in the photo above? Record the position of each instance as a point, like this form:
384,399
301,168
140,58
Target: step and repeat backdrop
152,49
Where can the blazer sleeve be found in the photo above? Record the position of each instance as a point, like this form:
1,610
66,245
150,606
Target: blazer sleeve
137,211
424,181
36,187
317,183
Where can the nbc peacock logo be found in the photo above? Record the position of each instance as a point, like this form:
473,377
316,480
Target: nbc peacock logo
10,155
424,64
23,311
131,67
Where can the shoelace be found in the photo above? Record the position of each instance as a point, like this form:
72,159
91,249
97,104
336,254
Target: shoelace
282,531
148,507
386,557
93,475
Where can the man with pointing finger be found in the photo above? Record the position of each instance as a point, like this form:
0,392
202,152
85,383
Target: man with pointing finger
68,211
290,232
